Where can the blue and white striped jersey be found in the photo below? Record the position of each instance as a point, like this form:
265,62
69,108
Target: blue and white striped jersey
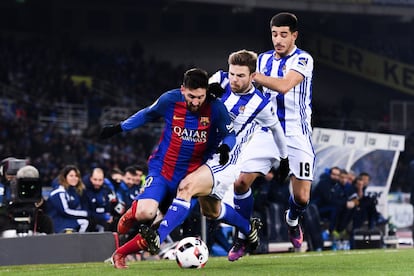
294,109
246,110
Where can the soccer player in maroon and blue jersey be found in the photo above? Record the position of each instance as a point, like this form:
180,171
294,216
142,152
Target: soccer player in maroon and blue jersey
195,125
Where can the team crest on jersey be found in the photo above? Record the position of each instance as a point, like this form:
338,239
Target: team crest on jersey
204,121
302,61
241,109
284,69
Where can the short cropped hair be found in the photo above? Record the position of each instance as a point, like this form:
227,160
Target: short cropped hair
244,58
285,19
195,78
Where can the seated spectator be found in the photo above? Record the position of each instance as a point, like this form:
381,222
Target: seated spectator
324,197
116,177
67,203
366,207
128,189
346,201
102,200
6,222
141,170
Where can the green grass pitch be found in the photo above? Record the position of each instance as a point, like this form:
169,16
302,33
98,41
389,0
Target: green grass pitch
354,262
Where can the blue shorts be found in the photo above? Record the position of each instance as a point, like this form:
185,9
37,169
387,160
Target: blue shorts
159,189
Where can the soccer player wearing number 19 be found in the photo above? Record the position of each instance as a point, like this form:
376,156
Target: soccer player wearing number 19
286,76
194,126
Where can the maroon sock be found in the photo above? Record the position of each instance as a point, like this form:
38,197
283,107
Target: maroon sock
135,245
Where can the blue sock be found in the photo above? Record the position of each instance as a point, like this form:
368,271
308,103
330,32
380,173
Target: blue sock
230,216
243,203
176,214
295,210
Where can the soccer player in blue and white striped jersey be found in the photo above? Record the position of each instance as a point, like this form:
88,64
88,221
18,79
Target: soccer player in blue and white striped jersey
286,76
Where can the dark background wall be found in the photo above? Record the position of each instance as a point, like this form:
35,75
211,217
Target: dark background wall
204,34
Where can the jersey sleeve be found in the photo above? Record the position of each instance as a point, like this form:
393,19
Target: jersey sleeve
268,118
219,77
148,114
303,64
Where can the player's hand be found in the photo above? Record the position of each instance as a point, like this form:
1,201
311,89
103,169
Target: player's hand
214,90
109,131
350,204
223,150
283,170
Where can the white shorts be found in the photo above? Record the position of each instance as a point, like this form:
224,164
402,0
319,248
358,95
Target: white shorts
225,176
301,156
261,153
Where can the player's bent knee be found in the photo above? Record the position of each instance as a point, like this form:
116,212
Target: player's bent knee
146,215
302,199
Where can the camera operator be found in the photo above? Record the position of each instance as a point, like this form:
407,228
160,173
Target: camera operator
6,222
22,203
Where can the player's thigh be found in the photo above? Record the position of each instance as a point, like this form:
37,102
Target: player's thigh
156,191
197,183
301,157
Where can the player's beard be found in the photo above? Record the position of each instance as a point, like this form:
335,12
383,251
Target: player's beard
239,89
193,108
282,50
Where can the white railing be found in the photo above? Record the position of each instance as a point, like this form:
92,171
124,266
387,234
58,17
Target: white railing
67,116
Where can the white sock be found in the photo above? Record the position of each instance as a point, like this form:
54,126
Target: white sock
291,222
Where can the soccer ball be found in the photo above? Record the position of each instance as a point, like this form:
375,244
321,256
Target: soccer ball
191,252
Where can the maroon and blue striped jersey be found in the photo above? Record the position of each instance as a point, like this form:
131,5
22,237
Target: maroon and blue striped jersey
188,139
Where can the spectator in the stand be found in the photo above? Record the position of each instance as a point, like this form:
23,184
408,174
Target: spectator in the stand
101,200
366,205
6,222
345,201
67,203
142,171
323,195
128,187
116,177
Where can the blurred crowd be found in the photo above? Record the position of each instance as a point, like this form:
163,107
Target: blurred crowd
40,70
340,205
